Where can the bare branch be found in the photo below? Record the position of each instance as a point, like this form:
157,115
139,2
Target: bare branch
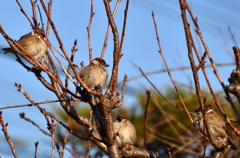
234,79
89,30
169,73
22,115
185,4
4,129
44,112
44,102
36,148
108,30
145,119
124,26
49,12
34,12
162,94
169,152
173,69
116,53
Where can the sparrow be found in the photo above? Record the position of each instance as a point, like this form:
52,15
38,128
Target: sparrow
125,131
216,124
32,43
95,74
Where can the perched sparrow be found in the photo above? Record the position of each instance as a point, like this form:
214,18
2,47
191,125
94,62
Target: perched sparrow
125,130
216,124
32,43
95,74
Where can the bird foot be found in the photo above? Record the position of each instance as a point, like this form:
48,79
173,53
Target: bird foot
127,147
85,95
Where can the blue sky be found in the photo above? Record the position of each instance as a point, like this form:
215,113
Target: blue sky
140,47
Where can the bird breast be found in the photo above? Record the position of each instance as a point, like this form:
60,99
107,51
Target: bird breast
33,45
127,133
94,75
38,48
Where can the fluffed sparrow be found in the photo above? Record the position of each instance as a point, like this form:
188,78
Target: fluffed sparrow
217,127
32,43
95,74
125,131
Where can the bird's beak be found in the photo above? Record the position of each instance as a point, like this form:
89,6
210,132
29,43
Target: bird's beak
43,35
196,110
42,32
106,65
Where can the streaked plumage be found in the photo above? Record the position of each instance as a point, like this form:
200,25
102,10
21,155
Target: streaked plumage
32,43
125,130
217,127
95,74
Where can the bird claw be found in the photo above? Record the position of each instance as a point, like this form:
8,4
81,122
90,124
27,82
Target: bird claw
127,147
85,95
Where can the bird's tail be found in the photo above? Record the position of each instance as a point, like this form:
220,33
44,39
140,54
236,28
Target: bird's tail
232,144
7,50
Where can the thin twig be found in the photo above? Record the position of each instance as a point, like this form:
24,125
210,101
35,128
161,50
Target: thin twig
174,145
36,149
4,129
120,101
22,115
162,94
66,135
33,3
173,69
183,7
169,73
89,31
50,127
89,90
226,44
124,26
145,119
108,30
67,132
116,54
48,23
40,16
74,50
216,73
23,105
88,149
169,152
169,122
44,112
232,35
